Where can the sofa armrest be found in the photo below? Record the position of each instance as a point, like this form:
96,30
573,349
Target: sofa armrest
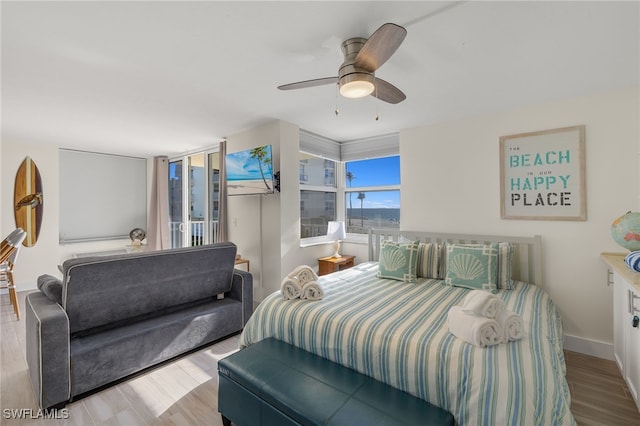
47,344
242,290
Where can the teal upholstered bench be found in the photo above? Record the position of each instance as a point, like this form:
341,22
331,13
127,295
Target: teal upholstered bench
275,383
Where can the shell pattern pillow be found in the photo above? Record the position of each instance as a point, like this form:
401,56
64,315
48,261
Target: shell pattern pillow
398,261
472,266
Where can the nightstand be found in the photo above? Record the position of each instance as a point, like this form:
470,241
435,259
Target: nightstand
327,265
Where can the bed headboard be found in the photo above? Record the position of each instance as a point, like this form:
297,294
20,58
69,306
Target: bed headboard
526,260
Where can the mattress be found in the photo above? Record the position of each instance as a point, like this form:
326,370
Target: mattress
397,333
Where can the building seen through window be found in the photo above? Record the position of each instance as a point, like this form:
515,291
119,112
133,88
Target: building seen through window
317,195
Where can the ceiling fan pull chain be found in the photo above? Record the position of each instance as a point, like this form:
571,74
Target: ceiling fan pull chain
337,111
375,81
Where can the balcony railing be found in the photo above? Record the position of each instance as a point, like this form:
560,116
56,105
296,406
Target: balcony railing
196,233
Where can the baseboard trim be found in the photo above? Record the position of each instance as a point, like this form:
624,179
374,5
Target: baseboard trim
588,347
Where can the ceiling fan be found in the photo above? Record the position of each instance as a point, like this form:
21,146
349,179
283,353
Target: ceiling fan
362,57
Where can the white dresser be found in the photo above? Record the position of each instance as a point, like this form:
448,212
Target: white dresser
626,334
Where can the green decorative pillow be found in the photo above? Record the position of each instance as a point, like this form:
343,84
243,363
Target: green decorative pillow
429,260
472,266
398,261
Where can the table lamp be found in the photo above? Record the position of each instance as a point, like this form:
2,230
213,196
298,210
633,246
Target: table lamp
336,232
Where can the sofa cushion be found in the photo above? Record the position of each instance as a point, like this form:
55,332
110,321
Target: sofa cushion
100,291
51,287
106,356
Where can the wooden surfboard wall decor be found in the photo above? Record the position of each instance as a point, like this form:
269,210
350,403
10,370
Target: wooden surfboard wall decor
28,201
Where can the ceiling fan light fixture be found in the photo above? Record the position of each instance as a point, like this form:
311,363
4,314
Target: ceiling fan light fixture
356,85
362,57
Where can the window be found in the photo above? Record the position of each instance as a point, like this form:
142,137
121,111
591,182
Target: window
370,190
102,196
372,194
317,195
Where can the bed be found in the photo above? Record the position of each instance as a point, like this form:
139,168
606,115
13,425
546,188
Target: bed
397,332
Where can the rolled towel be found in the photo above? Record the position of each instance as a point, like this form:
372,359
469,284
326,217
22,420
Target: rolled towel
474,329
304,274
312,290
511,324
290,288
482,303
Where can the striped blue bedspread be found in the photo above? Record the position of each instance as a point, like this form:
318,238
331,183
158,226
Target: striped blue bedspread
397,333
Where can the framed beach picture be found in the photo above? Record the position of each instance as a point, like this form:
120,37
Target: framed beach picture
250,171
542,175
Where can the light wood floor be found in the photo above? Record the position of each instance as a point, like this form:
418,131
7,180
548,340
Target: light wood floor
599,395
185,392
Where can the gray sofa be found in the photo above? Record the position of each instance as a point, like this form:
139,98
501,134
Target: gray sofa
112,316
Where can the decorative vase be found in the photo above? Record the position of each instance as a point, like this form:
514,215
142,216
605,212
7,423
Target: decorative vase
625,231
633,260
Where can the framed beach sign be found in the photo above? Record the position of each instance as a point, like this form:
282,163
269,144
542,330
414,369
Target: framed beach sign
542,175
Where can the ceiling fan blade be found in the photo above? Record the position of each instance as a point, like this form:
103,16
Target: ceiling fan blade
387,92
380,46
309,83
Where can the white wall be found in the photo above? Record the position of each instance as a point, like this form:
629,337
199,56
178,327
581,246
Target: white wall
261,225
450,183
47,254
245,211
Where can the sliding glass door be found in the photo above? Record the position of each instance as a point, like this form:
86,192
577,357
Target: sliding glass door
214,195
176,203
194,199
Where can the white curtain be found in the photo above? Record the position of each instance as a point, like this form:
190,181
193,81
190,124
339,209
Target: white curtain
222,206
159,232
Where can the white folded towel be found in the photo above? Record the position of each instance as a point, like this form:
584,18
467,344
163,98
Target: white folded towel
482,303
312,291
290,288
474,329
511,324
304,274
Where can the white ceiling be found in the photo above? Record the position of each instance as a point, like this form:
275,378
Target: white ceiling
149,78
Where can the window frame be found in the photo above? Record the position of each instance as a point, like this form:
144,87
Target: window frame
341,203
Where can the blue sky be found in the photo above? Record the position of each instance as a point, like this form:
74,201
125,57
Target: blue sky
376,172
